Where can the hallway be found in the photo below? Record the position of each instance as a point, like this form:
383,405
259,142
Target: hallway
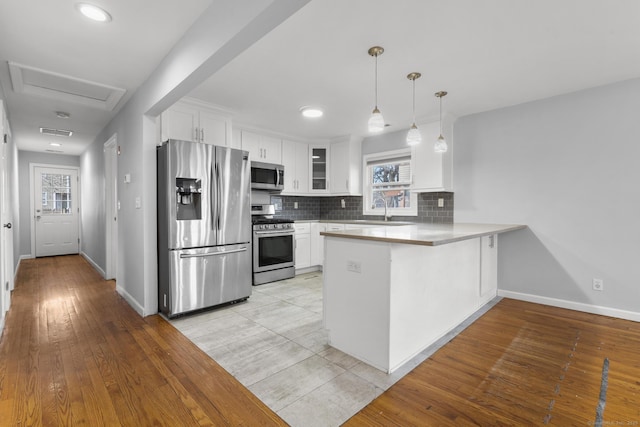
74,352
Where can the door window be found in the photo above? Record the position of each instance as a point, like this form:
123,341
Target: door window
56,194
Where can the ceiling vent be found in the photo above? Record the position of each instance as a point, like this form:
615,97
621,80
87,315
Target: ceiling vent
51,85
56,132
54,151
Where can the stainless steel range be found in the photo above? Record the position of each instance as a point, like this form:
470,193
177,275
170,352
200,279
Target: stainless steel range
273,246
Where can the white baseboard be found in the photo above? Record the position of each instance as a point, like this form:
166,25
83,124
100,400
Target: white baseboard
27,256
131,300
94,264
15,272
308,269
572,305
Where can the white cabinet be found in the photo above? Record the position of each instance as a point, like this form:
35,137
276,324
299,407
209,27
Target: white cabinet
432,171
335,227
195,122
317,243
262,148
319,168
488,267
303,245
295,158
346,167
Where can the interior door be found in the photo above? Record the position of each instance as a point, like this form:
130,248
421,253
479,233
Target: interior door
6,232
111,206
56,211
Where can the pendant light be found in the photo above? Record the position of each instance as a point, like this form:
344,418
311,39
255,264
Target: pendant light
413,136
376,122
441,144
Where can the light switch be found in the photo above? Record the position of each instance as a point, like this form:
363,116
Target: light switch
127,178
138,202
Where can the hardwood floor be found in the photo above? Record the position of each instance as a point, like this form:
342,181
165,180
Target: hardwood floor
520,364
73,352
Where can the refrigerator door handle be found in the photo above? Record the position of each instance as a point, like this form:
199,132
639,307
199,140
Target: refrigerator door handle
233,251
218,207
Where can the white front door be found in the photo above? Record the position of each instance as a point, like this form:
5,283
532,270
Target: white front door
56,211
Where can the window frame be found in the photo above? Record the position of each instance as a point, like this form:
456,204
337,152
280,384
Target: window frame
367,184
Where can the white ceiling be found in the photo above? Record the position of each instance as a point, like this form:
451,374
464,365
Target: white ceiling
54,36
486,53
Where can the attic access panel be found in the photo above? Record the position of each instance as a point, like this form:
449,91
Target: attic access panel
35,81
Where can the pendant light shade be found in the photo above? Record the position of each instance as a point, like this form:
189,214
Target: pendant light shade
413,136
441,144
376,121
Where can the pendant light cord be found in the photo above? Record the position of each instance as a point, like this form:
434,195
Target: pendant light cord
414,101
440,115
376,85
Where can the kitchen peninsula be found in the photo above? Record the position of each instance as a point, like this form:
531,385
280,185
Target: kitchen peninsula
391,291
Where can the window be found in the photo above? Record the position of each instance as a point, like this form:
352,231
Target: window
387,182
56,194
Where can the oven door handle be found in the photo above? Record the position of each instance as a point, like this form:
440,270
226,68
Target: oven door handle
233,251
284,233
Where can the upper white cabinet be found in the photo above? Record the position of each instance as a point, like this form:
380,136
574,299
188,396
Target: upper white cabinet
319,168
262,148
295,158
198,122
346,167
432,171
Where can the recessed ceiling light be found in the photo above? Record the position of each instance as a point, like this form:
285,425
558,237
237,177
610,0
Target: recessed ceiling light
55,144
93,12
62,115
311,112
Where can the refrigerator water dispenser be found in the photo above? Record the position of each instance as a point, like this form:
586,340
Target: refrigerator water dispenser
188,194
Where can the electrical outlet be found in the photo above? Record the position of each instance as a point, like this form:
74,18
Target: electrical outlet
295,205
354,266
598,284
441,203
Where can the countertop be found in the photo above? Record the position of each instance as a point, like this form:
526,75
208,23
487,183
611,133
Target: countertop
425,234
357,221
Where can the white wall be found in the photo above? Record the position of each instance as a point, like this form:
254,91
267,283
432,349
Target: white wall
567,167
24,190
222,32
93,213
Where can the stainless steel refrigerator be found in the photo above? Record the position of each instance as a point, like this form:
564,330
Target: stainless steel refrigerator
204,226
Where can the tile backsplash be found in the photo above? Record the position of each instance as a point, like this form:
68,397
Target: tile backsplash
330,208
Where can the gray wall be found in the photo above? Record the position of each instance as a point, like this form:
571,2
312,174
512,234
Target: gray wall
567,167
223,31
93,218
24,190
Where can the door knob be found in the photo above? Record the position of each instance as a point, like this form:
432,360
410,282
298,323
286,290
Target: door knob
8,225
38,217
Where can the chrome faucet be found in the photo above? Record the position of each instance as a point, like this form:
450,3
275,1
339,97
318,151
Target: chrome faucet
386,216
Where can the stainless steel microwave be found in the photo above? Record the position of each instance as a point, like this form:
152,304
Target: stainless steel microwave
267,176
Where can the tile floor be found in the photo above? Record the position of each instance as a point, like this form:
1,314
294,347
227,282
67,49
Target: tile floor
275,345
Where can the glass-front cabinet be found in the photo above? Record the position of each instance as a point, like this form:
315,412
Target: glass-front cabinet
319,168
